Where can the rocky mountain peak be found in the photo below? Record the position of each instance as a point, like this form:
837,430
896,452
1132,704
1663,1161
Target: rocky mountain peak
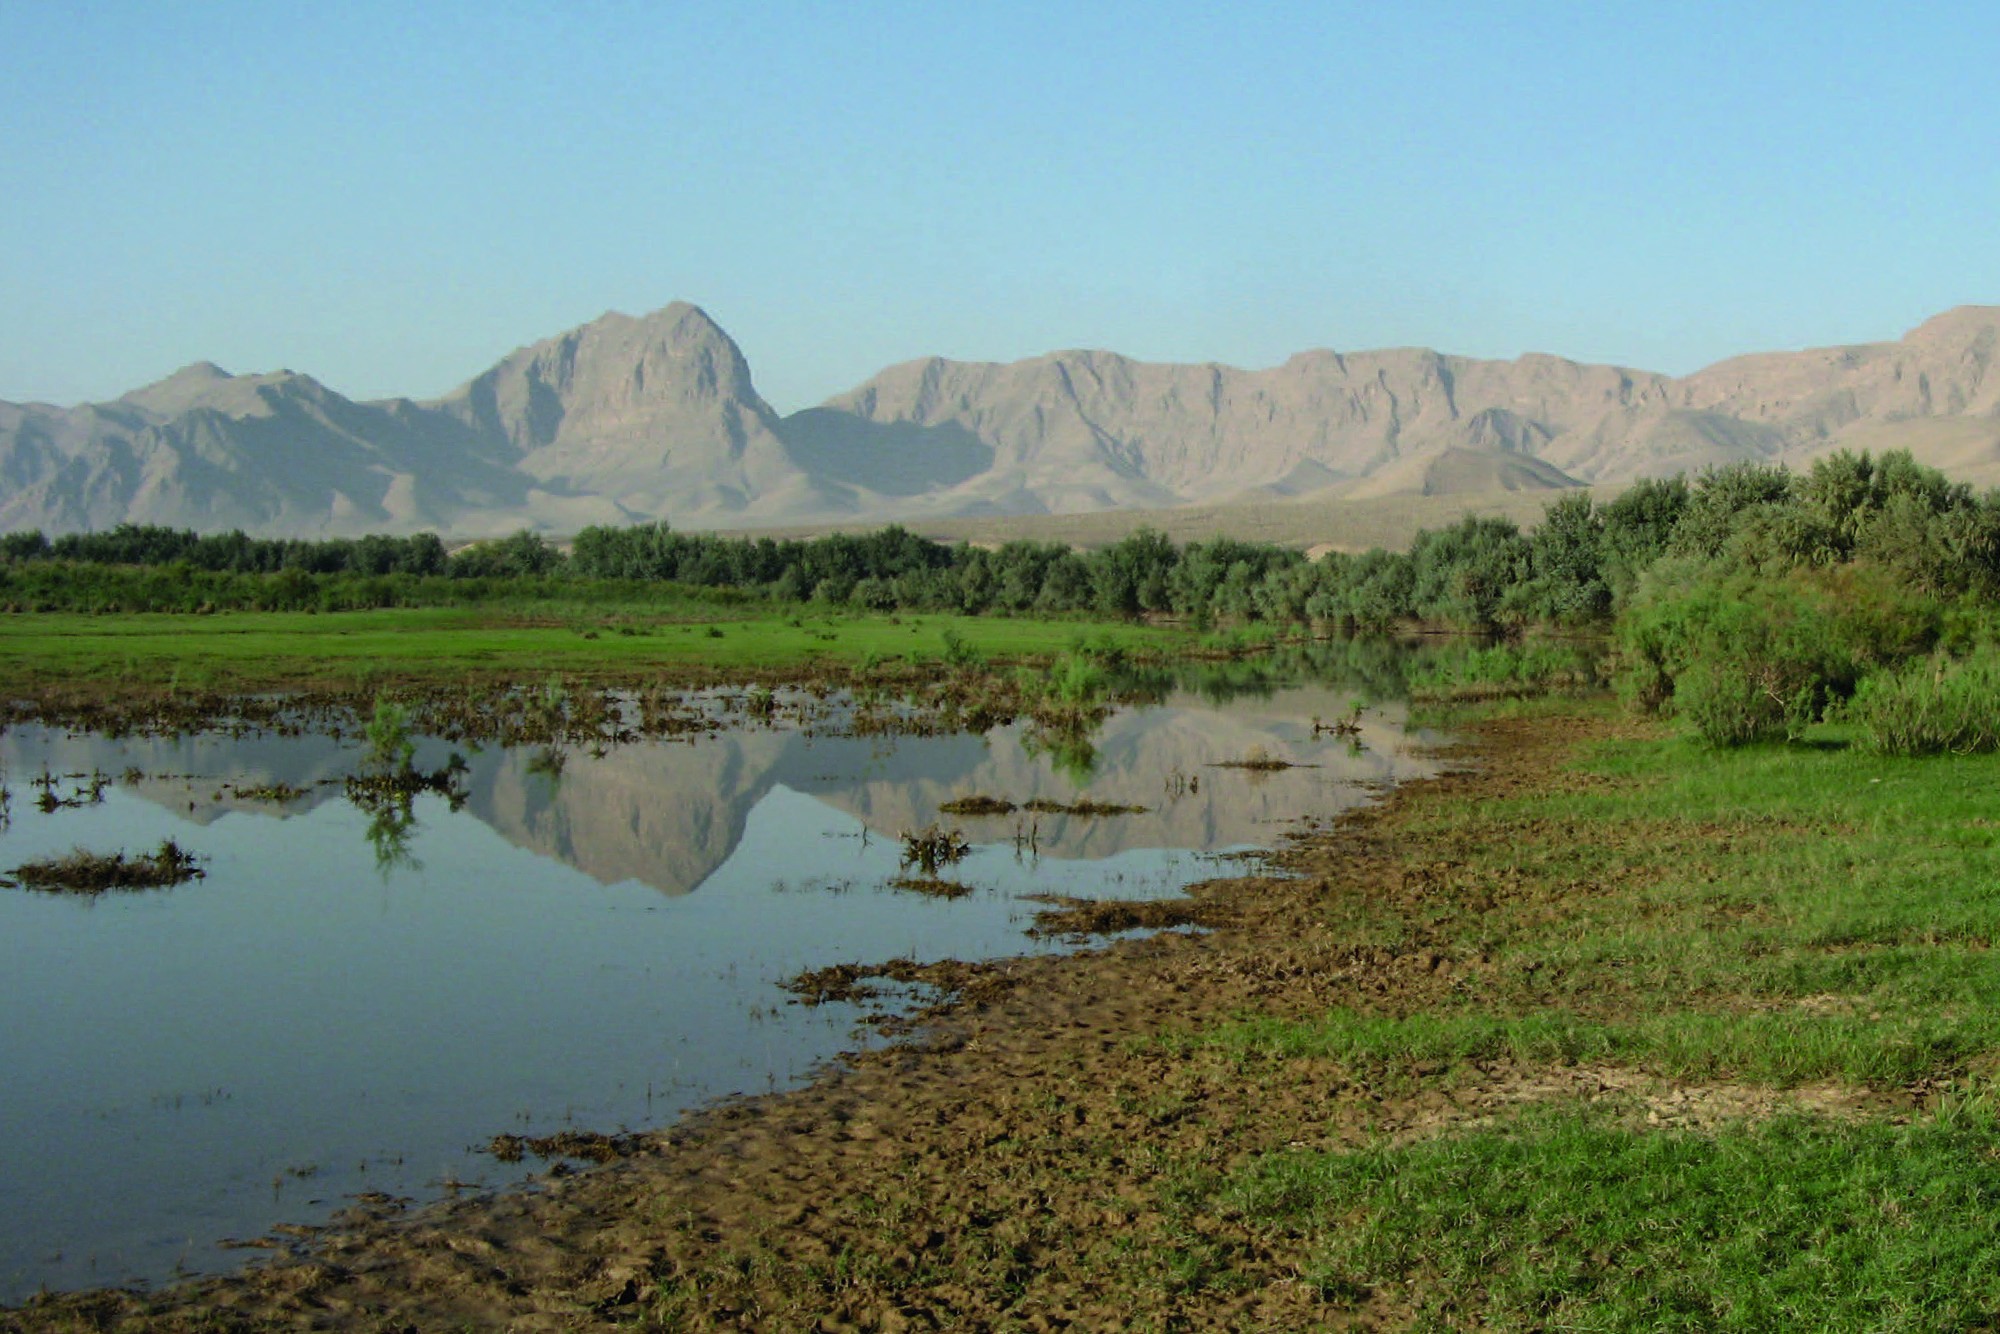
177,392
205,386
1969,333
1960,325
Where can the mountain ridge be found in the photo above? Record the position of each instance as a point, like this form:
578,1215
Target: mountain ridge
657,416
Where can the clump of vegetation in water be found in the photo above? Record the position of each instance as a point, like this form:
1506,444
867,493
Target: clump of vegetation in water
978,804
1349,727
1085,806
391,748
389,783
390,767
1257,759
934,846
85,872
279,793
83,792
548,762
931,886
1072,695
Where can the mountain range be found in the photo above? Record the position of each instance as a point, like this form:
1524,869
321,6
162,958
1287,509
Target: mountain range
628,419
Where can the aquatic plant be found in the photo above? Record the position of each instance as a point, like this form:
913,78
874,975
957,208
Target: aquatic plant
390,745
1084,806
1258,759
931,886
588,1145
1349,727
546,712
547,762
85,872
84,791
280,792
932,847
1074,692
977,804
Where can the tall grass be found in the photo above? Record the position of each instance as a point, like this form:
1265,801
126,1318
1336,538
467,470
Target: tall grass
1932,706
1502,670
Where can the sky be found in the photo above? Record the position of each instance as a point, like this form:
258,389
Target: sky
391,197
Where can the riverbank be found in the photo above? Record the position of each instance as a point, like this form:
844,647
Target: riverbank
1596,1026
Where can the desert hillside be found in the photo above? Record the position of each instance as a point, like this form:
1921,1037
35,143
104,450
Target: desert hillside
657,417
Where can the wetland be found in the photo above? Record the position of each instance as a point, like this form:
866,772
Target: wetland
425,939
1671,1013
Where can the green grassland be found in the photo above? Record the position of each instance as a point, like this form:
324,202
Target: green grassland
694,640
1801,933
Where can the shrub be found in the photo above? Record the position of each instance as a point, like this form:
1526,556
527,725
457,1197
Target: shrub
1932,706
1745,659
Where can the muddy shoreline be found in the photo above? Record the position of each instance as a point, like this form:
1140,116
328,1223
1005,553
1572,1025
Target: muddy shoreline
1013,1164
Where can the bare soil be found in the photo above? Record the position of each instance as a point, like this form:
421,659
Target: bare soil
1015,1164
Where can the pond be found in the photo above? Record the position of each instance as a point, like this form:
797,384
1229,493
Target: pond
354,1000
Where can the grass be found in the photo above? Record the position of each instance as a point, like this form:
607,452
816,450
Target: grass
1756,921
1764,1047
1569,1221
252,650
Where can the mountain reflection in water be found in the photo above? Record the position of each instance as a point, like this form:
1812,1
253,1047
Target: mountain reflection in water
667,813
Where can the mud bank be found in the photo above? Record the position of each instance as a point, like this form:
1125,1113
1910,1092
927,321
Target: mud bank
1015,1164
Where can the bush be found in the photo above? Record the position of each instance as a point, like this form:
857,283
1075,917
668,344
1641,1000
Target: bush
1932,706
1735,703
1745,659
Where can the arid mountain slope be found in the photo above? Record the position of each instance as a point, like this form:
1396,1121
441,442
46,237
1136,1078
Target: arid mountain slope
1414,421
620,420
274,453
656,414
1092,430
632,418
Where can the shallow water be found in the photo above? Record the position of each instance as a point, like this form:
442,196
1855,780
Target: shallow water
328,1013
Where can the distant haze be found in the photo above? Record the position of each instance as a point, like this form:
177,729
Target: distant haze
627,419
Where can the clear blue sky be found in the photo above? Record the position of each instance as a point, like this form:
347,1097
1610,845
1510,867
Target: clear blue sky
392,196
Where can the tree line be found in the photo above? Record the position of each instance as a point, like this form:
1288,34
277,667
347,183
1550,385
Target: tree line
1581,565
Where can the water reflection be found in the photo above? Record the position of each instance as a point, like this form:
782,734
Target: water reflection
666,814
391,961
